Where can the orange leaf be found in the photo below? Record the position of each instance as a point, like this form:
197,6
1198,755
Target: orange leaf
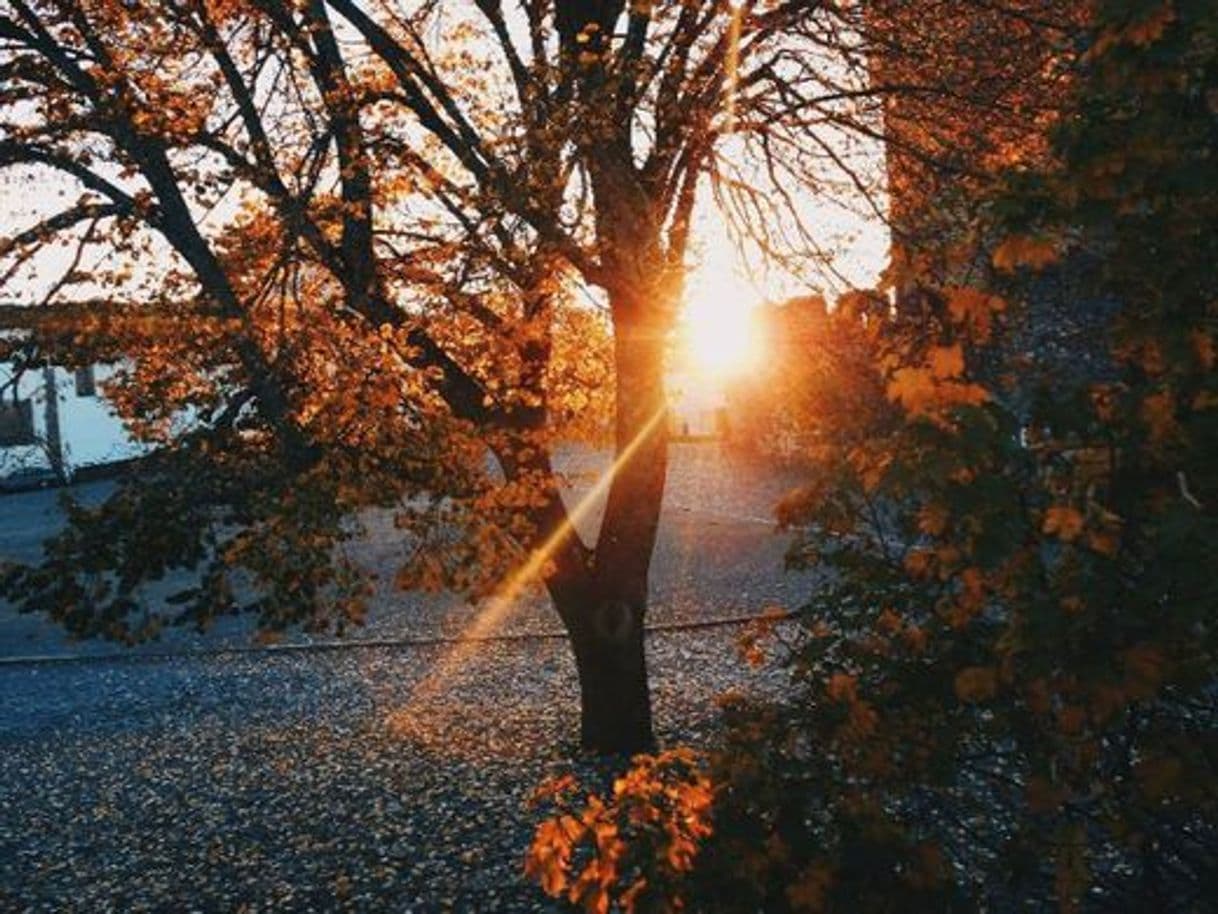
932,519
973,308
1023,251
975,684
946,361
1063,521
1158,411
842,687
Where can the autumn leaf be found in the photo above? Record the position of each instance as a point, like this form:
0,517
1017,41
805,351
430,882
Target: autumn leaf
1151,29
1023,251
630,898
915,638
861,721
976,684
1071,603
946,361
750,649
932,518
1158,411
1063,521
1203,347
932,390
973,309
553,788
889,621
842,687
642,836
912,387
918,562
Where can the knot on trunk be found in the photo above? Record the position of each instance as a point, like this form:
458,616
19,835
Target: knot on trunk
614,621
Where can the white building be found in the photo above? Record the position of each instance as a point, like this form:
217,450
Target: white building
56,420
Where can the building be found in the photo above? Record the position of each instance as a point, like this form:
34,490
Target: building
54,421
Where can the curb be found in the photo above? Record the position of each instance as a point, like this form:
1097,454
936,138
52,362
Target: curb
317,647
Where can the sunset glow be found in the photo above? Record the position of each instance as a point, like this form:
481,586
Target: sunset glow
720,339
718,336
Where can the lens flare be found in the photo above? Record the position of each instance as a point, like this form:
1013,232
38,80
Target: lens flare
500,605
731,68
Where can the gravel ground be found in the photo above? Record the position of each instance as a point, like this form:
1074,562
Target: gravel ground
718,554
352,779
317,781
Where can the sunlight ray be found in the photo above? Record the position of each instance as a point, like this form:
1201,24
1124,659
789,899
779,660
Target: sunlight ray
500,605
731,67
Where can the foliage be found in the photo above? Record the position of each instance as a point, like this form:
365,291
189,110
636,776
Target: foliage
1004,687
818,384
395,252
374,245
632,849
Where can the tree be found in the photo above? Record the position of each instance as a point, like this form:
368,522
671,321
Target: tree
417,197
360,233
1004,694
817,386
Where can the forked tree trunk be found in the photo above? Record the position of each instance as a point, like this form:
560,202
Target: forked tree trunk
601,594
607,631
602,604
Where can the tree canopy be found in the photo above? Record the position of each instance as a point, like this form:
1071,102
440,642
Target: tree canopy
1005,678
344,250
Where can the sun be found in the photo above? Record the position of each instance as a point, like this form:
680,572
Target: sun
719,336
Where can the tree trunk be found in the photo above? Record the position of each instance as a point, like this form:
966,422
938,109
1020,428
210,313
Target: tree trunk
53,437
610,658
602,599
607,632
603,602
601,593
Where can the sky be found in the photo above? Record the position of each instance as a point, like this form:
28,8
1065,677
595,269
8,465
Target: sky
726,281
